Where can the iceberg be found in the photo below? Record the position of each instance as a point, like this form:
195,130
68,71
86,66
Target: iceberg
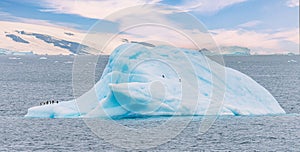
141,80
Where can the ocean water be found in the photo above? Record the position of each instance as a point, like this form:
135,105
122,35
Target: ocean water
27,80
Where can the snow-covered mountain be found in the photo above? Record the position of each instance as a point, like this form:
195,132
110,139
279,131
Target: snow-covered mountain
235,50
38,39
23,38
229,50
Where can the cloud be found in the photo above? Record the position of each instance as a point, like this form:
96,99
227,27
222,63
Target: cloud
4,16
100,9
292,3
279,42
260,42
250,24
154,25
207,6
90,8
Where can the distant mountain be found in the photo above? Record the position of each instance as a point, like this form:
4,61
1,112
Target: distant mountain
236,51
229,50
207,52
16,38
73,47
22,38
142,43
37,39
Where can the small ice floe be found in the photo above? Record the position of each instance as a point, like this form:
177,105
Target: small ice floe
292,61
20,62
91,63
68,62
55,61
14,58
43,58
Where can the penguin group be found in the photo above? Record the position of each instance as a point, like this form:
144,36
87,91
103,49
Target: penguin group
48,102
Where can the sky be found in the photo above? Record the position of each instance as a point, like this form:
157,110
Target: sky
264,26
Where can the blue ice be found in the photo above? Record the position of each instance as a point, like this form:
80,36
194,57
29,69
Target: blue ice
163,80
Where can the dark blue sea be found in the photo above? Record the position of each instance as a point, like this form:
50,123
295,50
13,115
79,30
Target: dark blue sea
27,80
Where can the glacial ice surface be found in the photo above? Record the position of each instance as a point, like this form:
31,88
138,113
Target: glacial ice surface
148,82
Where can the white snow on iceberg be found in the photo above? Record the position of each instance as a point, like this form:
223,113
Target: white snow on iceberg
148,82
